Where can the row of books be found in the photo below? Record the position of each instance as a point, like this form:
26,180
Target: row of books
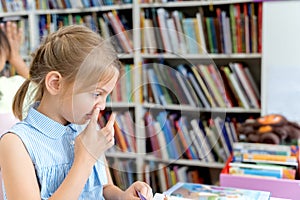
266,160
123,172
161,176
23,5
124,131
124,88
171,136
68,4
236,29
13,5
200,85
111,25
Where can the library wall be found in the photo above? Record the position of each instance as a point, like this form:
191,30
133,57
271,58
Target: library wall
280,61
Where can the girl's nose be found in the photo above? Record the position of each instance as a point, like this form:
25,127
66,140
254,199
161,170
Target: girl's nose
100,105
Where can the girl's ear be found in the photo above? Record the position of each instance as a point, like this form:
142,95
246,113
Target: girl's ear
53,82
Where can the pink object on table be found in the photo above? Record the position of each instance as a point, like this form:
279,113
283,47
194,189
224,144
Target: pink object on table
7,120
280,188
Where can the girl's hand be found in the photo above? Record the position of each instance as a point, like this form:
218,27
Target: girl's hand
138,186
92,142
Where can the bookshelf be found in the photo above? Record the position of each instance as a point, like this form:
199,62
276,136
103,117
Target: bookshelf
137,57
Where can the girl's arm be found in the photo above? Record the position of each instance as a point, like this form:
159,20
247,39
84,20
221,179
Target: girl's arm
110,191
18,171
19,175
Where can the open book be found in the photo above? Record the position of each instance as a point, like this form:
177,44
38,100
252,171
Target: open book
195,191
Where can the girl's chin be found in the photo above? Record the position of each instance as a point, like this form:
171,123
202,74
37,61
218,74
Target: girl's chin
84,120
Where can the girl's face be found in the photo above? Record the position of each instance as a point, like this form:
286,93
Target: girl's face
79,107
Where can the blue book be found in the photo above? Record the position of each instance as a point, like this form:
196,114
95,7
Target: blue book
95,3
156,88
189,31
164,122
68,4
256,172
213,34
86,3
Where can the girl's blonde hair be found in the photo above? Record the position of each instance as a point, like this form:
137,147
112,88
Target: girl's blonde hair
79,54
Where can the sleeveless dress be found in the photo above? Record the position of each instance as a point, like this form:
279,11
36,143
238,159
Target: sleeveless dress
51,148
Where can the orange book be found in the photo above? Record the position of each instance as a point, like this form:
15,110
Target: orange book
238,28
276,158
120,140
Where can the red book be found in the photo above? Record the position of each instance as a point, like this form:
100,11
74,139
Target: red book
151,134
183,140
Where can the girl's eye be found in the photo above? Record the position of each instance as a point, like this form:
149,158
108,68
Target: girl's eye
97,94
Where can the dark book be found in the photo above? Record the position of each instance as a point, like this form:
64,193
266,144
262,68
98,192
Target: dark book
157,31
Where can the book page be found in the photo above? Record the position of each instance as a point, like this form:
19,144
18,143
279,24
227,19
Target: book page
194,191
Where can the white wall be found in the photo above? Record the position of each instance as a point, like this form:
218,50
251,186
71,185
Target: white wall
281,59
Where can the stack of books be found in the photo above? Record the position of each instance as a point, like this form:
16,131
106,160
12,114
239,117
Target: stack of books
266,167
267,160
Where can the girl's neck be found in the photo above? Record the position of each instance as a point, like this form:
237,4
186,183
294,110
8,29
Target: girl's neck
49,106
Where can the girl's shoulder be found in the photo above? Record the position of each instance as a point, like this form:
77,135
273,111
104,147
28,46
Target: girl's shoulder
19,128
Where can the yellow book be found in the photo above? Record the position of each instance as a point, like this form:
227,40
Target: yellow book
203,86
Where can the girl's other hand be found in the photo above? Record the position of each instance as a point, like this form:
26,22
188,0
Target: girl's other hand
138,186
92,143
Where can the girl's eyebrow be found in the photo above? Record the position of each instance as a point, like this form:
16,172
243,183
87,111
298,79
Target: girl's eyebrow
99,88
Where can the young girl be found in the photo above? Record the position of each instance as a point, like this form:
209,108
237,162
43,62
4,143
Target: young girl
48,155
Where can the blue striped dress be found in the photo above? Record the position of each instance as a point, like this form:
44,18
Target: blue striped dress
51,148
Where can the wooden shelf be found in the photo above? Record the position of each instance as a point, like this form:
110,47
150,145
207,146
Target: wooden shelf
203,56
187,162
121,155
193,109
81,10
192,3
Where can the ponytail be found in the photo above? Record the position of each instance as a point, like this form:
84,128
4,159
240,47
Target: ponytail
19,99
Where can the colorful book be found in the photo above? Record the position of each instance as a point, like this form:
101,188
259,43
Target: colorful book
189,191
265,170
